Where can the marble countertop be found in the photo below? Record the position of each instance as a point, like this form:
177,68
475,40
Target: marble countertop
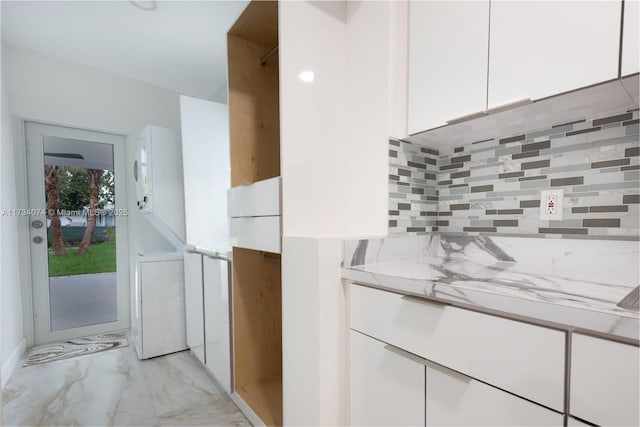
498,287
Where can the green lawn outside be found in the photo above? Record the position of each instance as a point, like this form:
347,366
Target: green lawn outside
100,258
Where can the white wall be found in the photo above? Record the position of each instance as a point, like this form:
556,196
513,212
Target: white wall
334,131
11,332
334,162
50,90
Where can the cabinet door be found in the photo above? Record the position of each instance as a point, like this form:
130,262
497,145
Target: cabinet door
457,400
448,45
605,387
216,315
387,388
163,307
630,36
542,48
194,304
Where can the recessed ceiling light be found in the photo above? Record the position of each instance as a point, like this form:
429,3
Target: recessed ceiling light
306,76
148,5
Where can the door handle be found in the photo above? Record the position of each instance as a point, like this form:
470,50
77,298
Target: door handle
37,223
38,239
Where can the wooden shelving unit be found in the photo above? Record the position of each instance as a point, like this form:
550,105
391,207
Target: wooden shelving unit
254,116
255,156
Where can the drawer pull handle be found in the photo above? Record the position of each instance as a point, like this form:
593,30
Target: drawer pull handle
433,365
421,300
405,354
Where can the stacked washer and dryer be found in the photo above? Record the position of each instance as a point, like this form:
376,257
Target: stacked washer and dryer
158,324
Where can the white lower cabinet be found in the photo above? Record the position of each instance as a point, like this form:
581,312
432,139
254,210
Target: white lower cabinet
392,387
395,381
158,324
216,320
386,388
489,348
454,399
605,381
194,304
207,313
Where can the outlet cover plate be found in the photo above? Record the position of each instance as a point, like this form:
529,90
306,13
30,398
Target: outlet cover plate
551,204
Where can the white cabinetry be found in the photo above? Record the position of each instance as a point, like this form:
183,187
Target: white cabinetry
403,356
158,317
531,49
207,305
485,347
448,46
254,212
392,386
388,387
630,37
194,304
216,319
542,48
454,399
604,381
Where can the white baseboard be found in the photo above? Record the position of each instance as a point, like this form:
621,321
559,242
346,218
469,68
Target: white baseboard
253,418
14,360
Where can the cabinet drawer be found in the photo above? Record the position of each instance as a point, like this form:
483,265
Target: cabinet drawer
524,359
261,198
259,233
387,389
604,381
457,400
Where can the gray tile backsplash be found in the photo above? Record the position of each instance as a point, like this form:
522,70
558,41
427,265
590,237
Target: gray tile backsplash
413,192
493,186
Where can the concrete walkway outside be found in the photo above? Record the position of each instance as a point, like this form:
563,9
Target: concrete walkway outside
83,300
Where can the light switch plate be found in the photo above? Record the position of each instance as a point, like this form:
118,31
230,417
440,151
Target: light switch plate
551,204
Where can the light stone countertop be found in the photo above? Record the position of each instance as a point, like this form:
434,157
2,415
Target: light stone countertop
492,285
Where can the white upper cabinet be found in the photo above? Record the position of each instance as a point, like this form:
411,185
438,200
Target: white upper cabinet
448,46
630,36
542,48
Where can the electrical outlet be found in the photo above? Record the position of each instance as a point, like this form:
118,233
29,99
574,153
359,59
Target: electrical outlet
551,204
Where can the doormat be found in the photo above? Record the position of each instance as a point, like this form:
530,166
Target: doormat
75,347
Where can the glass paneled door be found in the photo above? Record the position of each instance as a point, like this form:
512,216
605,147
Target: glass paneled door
78,232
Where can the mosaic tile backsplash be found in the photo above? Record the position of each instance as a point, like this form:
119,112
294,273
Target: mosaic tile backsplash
493,186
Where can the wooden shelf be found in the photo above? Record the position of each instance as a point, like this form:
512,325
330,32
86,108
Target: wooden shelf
254,101
254,120
264,398
257,325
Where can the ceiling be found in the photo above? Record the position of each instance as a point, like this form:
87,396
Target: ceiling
181,45
76,153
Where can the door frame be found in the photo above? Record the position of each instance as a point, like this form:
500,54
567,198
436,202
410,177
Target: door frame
37,332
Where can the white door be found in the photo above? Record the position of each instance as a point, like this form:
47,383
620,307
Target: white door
387,385
86,294
216,315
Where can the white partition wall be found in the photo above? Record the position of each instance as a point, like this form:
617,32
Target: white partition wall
205,156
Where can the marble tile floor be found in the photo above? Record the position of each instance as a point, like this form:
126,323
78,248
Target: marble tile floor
114,388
